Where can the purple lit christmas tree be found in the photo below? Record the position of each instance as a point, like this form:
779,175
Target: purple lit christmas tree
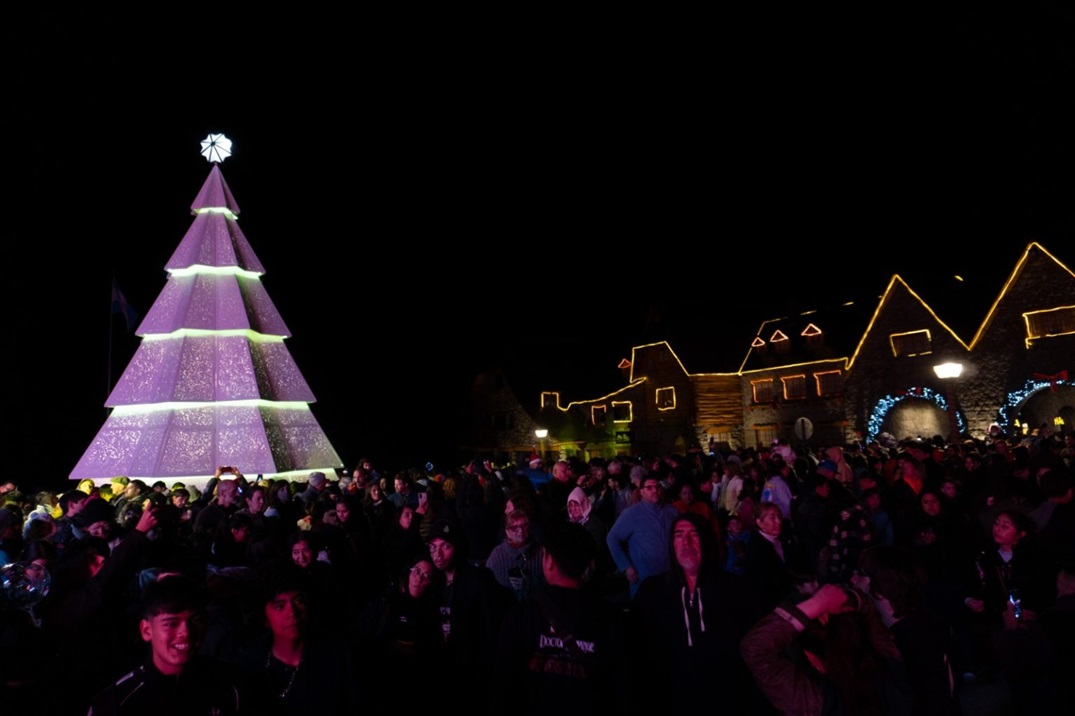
212,382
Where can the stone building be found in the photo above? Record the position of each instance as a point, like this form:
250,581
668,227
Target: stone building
830,377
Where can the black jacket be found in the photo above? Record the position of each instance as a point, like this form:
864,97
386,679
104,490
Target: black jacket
205,686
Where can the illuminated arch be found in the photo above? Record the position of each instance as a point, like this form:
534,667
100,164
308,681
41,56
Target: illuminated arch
1018,397
887,403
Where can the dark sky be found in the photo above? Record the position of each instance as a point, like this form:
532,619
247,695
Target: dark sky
428,208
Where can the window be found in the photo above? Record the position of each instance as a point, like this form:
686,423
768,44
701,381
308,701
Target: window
914,343
813,336
765,434
1055,322
763,390
666,398
550,400
599,414
780,342
721,439
794,387
621,411
829,382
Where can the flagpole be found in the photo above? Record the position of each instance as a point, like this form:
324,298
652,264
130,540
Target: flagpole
111,322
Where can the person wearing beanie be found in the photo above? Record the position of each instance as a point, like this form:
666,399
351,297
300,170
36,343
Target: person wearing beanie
470,600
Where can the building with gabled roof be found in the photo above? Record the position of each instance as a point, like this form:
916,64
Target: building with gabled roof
847,373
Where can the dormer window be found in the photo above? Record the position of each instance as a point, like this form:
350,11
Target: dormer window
1054,322
780,342
912,343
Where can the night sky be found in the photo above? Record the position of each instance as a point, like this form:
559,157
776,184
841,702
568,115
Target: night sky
429,209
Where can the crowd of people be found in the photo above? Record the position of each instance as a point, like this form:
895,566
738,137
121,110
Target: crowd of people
847,579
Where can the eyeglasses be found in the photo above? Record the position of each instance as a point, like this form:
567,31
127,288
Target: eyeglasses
421,574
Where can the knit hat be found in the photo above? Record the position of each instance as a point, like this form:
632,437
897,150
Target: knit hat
535,459
316,478
445,530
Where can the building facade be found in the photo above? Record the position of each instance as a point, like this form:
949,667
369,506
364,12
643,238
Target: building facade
850,374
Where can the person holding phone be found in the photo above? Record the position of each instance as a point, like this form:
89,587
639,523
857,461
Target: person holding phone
1010,562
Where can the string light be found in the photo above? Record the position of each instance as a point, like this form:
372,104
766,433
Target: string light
887,403
1017,397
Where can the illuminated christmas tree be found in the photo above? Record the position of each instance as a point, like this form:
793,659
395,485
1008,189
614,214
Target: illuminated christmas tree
212,383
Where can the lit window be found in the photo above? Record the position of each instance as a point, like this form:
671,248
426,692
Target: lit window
914,343
599,414
1054,322
830,382
780,342
722,439
794,387
766,434
666,398
621,411
763,390
550,400
813,335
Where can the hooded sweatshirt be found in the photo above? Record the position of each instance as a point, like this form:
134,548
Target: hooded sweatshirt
687,638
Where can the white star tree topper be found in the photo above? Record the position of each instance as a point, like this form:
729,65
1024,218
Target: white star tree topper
216,148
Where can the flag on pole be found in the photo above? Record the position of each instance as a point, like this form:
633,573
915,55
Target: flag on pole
120,306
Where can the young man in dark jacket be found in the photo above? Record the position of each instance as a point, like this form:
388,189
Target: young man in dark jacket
174,679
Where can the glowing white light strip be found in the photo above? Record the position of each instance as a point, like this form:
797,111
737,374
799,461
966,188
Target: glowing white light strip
125,410
202,270
253,336
218,210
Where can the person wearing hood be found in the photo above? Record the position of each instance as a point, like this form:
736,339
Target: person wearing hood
580,511
685,625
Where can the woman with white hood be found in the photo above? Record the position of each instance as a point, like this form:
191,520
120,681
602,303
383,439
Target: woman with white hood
579,511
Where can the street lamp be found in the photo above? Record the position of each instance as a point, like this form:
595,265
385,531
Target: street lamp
541,434
948,373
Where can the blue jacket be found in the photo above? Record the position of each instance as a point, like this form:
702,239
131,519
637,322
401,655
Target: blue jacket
639,538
